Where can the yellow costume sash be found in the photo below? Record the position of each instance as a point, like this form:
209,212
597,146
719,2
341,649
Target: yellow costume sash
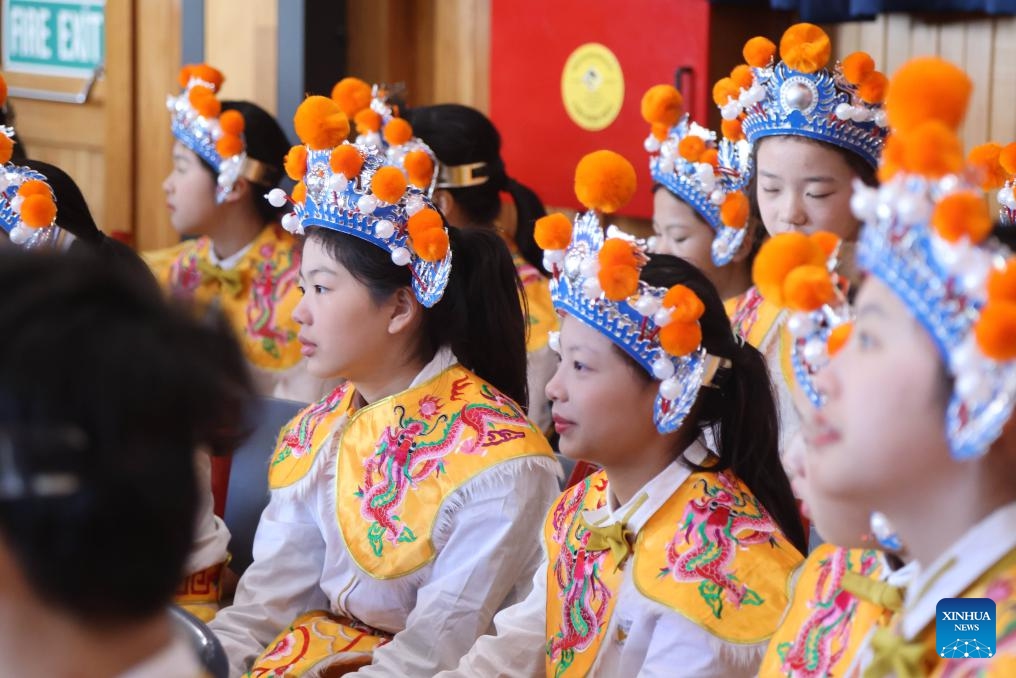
711,553
825,625
542,319
257,296
317,640
301,439
198,593
918,658
401,457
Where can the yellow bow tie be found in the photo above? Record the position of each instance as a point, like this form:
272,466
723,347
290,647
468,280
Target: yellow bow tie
877,592
894,656
231,280
615,537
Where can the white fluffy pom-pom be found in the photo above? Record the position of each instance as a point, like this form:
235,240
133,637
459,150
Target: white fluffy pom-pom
647,305
384,229
670,389
663,368
338,182
651,144
717,197
843,111
276,197
414,204
366,204
20,234
591,288
663,316
401,256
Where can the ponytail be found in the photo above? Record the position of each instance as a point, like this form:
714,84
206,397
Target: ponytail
740,406
480,316
528,208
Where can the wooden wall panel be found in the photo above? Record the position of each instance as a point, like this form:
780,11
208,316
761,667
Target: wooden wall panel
240,40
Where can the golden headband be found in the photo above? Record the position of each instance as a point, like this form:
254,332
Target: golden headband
461,176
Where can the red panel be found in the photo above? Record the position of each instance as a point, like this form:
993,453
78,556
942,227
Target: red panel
530,42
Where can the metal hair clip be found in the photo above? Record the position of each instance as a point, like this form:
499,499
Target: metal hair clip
17,482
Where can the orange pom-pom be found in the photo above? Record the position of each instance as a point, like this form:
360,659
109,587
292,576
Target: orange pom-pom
691,147
398,131
893,152
553,232
1007,159
828,242
295,162
388,184
759,51
352,95
780,255
710,156
932,149
618,282
183,77
368,120
724,90
685,305
1002,283
838,337
34,187
617,252
605,181
204,102
985,162
742,75
426,219
857,66
808,288
873,88
346,159
431,245
660,131
995,330
420,168
320,123
962,214
805,47
732,129
6,148
38,211
927,88
679,339
3,91
232,122
734,210
229,145
662,105
206,73
299,193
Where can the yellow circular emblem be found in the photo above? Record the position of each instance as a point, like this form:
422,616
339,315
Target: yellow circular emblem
592,86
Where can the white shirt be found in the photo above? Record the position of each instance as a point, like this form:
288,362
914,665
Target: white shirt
952,573
176,660
487,544
657,640
211,536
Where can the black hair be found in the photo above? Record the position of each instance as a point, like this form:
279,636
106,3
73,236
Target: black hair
102,380
74,216
480,316
460,135
266,143
18,153
740,408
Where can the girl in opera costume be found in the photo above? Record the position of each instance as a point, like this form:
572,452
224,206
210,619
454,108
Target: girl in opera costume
675,558
700,212
471,179
238,258
814,129
849,585
916,422
42,209
405,504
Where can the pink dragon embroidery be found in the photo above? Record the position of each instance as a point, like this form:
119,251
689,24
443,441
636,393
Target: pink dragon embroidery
715,526
184,276
809,655
269,286
402,459
296,441
584,596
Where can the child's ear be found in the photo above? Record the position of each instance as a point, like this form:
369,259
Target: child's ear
241,189
405,310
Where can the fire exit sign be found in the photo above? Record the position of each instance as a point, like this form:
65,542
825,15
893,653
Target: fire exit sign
53,37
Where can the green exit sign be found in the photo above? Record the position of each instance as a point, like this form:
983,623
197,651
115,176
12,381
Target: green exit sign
53,37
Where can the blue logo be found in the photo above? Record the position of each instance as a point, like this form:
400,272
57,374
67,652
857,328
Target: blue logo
965,627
